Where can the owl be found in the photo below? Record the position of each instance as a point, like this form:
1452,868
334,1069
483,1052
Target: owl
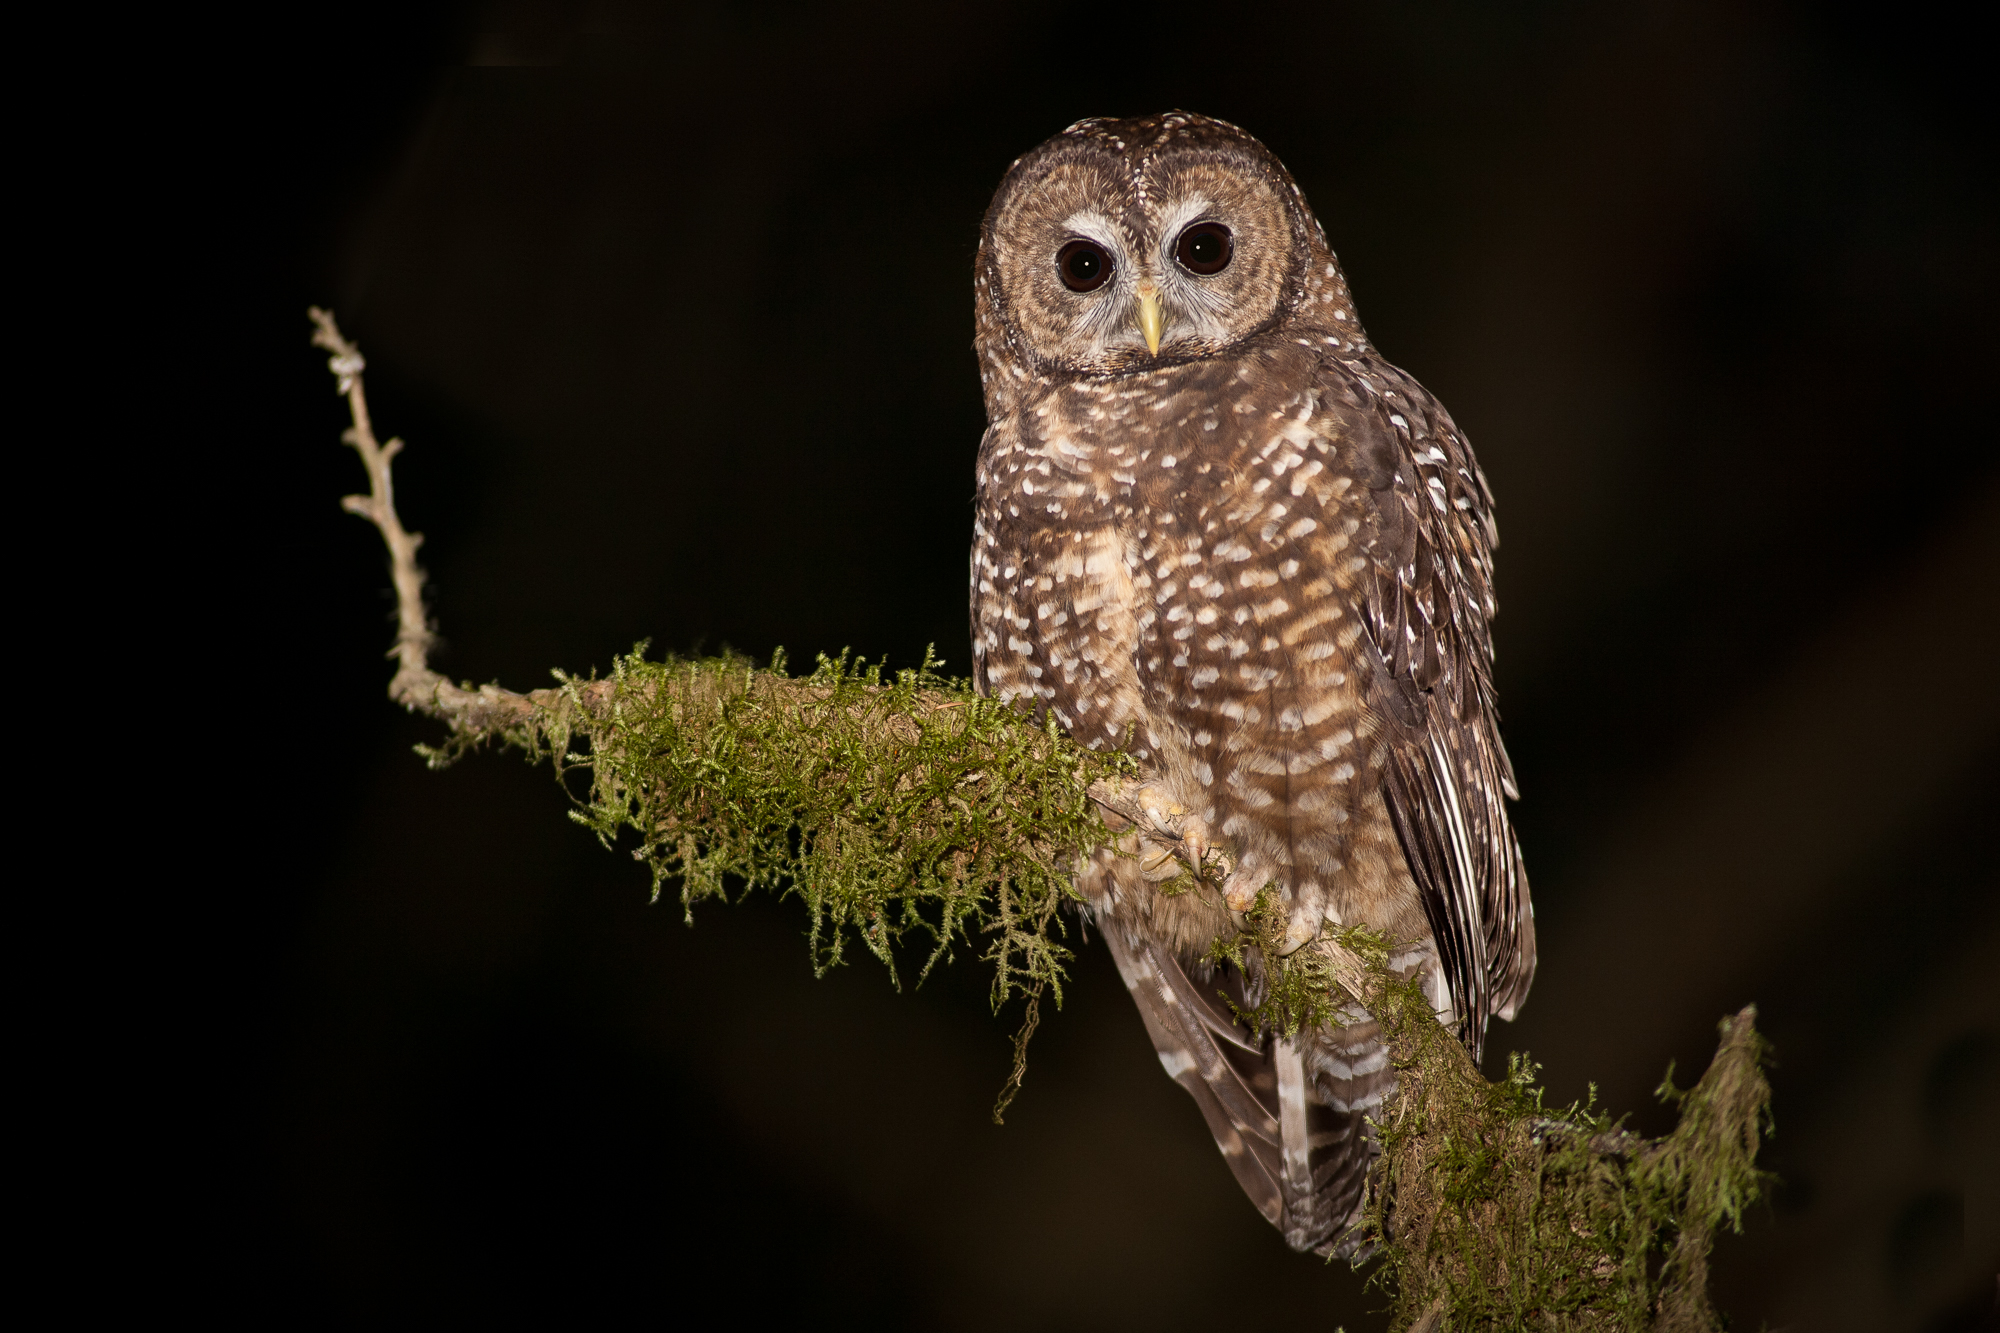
1215,529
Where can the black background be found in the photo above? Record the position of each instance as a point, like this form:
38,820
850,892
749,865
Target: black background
674,309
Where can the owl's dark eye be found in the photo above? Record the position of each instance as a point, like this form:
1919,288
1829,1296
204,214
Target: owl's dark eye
1083,265
1204,248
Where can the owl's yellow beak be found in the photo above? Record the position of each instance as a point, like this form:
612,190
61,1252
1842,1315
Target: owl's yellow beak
1150,322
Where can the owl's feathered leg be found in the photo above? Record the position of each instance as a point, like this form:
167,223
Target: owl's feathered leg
1169,840
1306,906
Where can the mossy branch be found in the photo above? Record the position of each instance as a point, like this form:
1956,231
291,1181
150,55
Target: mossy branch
890,804
903,806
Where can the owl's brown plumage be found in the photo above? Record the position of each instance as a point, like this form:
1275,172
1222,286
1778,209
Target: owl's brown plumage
1216,528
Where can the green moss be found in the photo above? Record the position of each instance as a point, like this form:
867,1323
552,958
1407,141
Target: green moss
1498,1212
896,807
1300,990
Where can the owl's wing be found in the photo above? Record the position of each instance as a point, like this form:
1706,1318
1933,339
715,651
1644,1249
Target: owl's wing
1428,609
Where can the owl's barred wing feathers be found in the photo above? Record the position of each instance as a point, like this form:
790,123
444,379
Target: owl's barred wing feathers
1428,608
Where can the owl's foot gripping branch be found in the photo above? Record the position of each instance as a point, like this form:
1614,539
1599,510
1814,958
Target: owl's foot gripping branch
902,809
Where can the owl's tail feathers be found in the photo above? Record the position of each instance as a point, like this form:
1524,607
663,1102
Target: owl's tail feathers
1347,1076
1289,1116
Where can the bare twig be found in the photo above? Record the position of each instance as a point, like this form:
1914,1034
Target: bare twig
485,709
414,678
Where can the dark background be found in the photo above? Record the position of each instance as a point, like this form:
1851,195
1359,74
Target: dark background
674,309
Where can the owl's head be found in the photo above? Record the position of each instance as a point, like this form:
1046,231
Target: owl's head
1123,245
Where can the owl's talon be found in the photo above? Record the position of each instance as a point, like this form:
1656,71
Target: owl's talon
1240,890
1172,840
1297,936
1157,862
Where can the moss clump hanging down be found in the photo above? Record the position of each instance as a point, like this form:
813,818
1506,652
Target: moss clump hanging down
891,805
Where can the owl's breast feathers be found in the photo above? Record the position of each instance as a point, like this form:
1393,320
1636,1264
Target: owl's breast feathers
1268,575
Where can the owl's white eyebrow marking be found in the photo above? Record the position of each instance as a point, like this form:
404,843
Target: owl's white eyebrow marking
1093,224
1178,213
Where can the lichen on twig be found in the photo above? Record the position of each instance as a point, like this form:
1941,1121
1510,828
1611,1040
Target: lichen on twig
903,807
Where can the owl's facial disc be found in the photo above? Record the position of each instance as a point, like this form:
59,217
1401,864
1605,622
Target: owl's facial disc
1106,268
1125,297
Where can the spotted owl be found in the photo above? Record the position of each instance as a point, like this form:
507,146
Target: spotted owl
1216,529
